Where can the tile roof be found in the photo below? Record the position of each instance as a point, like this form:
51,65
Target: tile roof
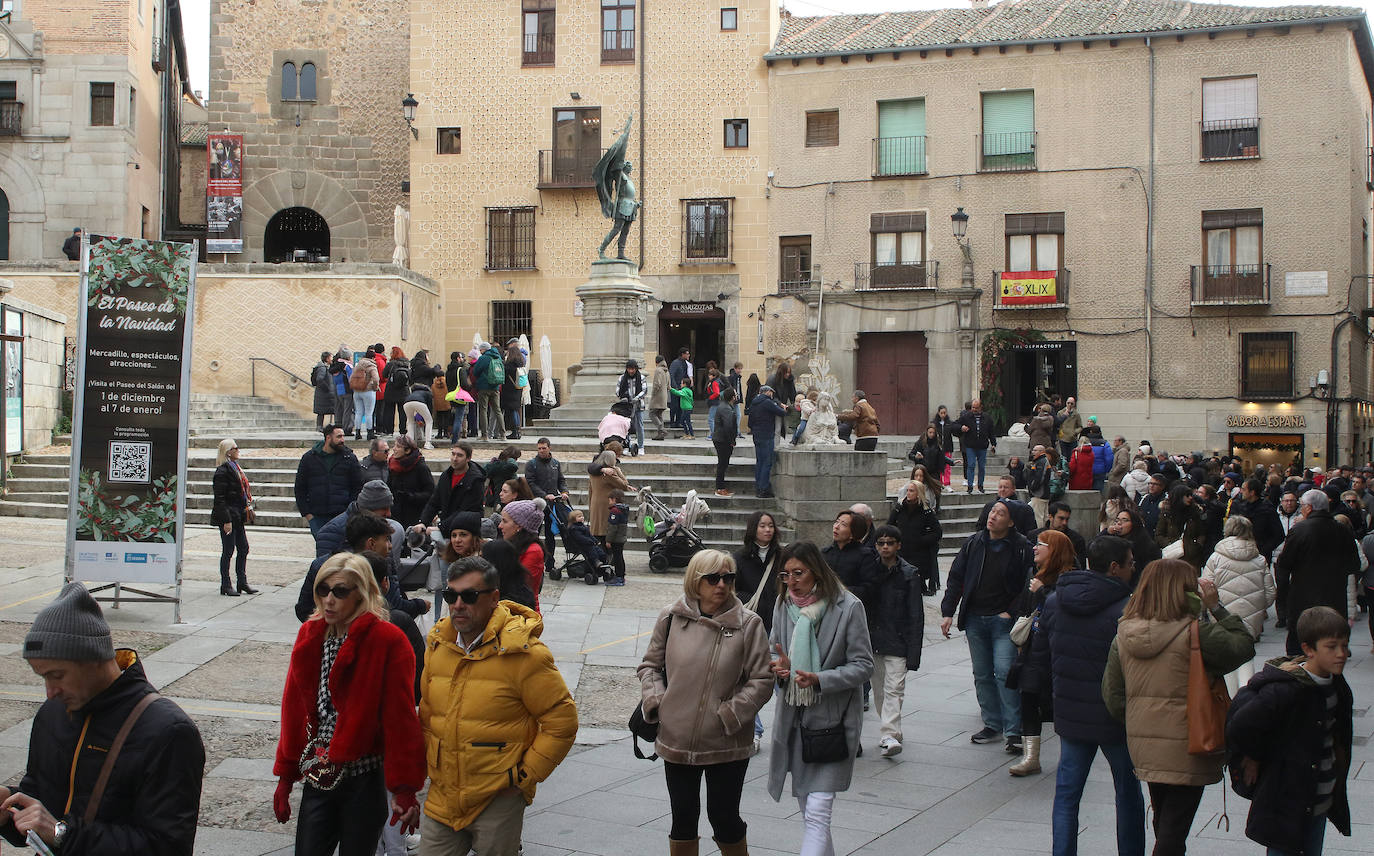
1026,20
195,133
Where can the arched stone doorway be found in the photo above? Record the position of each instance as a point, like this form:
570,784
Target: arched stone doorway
293,230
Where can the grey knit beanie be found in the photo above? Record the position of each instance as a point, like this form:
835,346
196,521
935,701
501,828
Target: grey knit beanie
70,628
374,495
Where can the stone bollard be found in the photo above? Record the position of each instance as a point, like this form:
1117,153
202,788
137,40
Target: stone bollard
814,483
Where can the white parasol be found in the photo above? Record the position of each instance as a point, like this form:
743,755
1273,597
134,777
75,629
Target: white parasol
476,339
400,233
546,389
522,374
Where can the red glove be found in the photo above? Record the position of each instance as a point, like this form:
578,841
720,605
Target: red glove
404,806
281,800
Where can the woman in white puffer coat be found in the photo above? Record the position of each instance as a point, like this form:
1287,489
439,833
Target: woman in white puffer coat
1136,481
1244,583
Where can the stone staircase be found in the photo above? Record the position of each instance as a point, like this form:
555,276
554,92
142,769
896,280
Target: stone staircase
223,416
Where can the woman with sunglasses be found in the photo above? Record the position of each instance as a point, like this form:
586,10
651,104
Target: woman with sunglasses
706,646
233,506
351,671
822,655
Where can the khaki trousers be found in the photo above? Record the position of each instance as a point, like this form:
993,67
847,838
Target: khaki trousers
495,832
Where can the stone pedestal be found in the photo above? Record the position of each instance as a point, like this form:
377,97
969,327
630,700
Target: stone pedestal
613,306
814,483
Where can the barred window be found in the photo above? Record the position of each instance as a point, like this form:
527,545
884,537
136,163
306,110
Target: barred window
509,319
1266,365
706,230
510,238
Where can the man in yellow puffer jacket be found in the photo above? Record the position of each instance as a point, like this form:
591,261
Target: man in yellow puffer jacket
496,713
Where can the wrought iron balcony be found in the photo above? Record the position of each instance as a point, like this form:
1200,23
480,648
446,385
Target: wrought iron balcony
1226,285
899,156
1230,139
538,49
1030,289
1013,152
562,169
795,286
11,118
874,276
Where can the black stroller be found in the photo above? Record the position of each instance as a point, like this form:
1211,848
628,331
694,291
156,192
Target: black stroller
582,559
672,540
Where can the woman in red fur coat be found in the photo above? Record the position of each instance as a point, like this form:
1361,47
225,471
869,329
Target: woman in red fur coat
348,721
1081,467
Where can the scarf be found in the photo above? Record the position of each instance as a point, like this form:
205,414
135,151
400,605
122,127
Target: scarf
243,480
405,463
805,655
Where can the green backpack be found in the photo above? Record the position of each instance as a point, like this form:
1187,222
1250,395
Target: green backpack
496,371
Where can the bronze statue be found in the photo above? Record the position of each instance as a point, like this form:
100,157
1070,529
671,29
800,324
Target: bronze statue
616,191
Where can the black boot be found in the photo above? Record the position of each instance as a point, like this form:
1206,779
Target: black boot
226,589
245,587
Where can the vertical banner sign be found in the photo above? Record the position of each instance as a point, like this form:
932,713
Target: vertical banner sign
224,194
13,326
128,487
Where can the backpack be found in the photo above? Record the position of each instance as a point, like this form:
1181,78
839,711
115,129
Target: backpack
496,372
1056,483
358,382
400,375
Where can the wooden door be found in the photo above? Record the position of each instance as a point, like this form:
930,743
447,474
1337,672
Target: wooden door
893,370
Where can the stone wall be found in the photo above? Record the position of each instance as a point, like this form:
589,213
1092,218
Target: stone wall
814,484
343,155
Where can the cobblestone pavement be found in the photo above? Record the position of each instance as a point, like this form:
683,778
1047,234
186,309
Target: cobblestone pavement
225,665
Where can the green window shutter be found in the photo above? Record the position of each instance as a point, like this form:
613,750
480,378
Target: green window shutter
901,148
1008,122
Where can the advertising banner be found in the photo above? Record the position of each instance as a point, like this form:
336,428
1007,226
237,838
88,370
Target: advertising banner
128,487
1028,287
224,194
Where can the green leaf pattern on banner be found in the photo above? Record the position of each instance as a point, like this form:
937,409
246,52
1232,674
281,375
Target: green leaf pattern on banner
106,516
136,263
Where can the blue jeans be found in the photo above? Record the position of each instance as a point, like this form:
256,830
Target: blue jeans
992,653
711,421
796,435
1313,837
460,414
364,403
1075,762
685,422
971,457
763,460
317,523
637,426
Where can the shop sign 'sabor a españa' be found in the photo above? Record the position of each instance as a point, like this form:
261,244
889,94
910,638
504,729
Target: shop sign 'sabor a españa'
126,508
1025,288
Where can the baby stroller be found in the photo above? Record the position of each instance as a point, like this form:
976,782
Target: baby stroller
672,540
585,560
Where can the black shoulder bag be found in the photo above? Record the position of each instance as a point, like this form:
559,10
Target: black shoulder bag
640,728
825,745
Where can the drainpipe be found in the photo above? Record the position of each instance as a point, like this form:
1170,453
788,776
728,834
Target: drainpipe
1150,244
643,173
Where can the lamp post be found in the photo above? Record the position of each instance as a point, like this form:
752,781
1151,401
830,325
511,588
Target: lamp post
959,220
408,105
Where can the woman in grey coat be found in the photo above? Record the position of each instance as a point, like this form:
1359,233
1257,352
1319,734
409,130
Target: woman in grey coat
822,657
324,390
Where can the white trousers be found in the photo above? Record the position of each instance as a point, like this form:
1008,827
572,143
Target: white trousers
816,809
889,688
411,408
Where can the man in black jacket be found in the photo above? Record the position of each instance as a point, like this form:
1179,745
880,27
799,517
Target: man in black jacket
976,437
328,478
544,474
988,574
1022,517
1077,626
1262,516
1149,502
897,627
151,799
1058,521
458,488
1315,565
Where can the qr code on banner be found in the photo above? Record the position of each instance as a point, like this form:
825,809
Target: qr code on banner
130,462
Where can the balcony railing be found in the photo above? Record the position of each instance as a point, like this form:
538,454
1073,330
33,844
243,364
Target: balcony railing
1222,285
1030,289
1013,152
567,168
1230,139
159,54
794,286
899,156
878,276
11,118
538,49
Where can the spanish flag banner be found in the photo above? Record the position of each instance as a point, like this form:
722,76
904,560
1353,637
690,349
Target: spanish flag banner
1028,287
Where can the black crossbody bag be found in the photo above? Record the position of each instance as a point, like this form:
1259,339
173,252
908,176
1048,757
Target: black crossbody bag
825,745
640,728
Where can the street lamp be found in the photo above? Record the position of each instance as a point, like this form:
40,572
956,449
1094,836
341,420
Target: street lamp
408,105
959,220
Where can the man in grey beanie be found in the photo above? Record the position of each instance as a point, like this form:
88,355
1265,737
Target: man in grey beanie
151,797
375,497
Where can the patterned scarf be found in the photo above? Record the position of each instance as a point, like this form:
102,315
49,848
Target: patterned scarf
243,480
805,653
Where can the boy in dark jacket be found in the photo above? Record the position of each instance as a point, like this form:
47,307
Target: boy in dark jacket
896,625
1289,731
617,533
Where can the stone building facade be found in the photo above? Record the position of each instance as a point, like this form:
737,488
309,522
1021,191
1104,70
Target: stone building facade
1189,198
517,100
315,88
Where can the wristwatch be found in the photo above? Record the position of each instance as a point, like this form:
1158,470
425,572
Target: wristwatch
59,832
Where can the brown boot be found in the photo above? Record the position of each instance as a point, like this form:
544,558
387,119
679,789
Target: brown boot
683,848
739,848
1030,759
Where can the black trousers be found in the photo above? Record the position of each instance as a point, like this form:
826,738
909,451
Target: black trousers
723,452
1175,807
1031,722
236,538
724,784
616,553
349,817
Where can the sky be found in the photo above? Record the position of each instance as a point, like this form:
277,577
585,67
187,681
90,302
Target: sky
195,16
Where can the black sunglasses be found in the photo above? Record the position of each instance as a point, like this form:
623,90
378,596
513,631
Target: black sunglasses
323,591
469,596
714,579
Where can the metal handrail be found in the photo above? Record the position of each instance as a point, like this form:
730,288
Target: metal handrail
253,373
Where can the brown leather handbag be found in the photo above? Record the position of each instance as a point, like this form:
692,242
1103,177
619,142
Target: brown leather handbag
1208,702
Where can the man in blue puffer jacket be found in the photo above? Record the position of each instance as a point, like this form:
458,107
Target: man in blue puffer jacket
1077,626
1102,462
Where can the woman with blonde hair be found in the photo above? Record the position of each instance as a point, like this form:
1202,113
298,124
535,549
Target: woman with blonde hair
822,655
1146,687
1244,584
706,645
351,672
232,509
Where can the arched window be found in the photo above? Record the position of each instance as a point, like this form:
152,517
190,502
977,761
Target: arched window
295,229
288,81
308,82
4,226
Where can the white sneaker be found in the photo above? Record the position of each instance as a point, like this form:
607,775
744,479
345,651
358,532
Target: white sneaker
888,747
429,446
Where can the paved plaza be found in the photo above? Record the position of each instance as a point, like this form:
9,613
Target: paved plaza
226,664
